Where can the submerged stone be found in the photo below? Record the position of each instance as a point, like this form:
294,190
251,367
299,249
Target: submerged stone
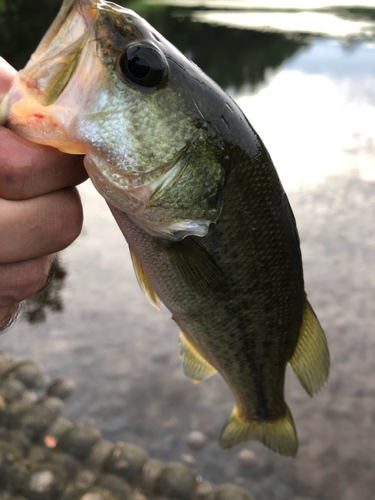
150,472
99,494
9,455
55,431
127,461
196,440
30,373
17,439
11,389
231,492
177,481
204,491
79,441
114,484
65,462
99,455
61,388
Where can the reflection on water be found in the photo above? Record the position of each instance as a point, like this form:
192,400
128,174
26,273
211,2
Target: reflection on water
48,299
313,102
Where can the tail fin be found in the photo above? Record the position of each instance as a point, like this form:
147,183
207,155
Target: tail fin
278,435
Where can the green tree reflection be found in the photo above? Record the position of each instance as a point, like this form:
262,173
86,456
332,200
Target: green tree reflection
230,56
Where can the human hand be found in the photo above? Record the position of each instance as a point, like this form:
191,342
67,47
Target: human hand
40,210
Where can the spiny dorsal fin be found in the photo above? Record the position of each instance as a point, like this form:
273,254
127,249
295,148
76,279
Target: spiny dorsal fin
278,435
193,364
196,267
310,360
143,281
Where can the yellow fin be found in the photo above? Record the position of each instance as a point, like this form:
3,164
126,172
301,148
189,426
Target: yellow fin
143,281
278,435
193,364
196,267
310,360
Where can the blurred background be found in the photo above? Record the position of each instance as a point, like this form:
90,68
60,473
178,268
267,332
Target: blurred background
305,78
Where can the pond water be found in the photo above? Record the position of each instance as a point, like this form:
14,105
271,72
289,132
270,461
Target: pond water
311,97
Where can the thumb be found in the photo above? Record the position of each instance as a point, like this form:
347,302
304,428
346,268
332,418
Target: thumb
7,73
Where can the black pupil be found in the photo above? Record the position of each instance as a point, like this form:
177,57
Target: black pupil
139,67
143,65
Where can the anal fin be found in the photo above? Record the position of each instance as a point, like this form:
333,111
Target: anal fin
310,361
143,281
193,364
278,435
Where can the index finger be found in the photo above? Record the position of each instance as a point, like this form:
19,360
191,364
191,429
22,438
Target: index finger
28,170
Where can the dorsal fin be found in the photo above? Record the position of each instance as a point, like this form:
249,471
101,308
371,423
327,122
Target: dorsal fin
310,360
193,363
196,267
143,281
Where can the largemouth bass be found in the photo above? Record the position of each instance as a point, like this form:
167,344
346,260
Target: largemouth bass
194,191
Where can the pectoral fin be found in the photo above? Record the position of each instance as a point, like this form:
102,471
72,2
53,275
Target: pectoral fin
310,360
193,364
191,261
278,435
143,281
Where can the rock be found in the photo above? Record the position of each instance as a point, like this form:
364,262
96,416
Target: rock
84,479
44,484
6,364
9,455
17,439
247,458
18,474
65,462
99,455
204,491
150,472
177,481
127,461
53,403
137,495
12,412
61,388
30,373
231,492
38,453
79,441
12,389
98,494
188,460
70,492
35,420
55,431
114,484
196,440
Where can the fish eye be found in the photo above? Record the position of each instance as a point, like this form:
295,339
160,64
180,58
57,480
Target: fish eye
143,64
